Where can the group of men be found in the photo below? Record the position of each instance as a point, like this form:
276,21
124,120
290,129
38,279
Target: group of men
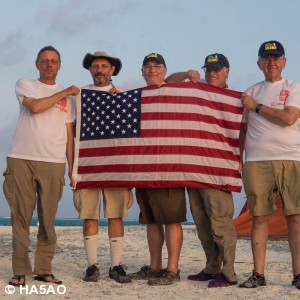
35,175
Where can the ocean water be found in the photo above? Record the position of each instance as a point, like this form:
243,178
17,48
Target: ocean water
6,221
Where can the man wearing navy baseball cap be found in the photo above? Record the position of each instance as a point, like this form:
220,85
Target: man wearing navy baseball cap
154,57
216,67
216,61
213,208
271,141
271,47
162,210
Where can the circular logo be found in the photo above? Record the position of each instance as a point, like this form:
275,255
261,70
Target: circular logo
10,289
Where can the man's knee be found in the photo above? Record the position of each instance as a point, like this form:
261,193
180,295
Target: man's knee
260,221
293,220
90,227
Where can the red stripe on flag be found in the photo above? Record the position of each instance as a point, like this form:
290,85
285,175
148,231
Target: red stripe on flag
197,134
191,117
158,150
193,101
161,168
154,184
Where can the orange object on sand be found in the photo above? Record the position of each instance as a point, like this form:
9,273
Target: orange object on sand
277,222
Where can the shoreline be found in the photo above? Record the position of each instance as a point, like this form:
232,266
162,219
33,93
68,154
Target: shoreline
73,222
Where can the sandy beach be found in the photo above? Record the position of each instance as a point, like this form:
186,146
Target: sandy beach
69,265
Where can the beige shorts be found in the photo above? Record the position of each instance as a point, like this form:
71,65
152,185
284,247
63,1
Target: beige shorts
116,202
263,179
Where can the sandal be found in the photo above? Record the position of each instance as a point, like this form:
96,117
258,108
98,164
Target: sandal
20,280
50,278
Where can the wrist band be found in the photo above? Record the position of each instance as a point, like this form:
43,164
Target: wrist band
258,107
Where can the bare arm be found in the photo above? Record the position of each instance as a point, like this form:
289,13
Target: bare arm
284,117
192,75
70,150
39,105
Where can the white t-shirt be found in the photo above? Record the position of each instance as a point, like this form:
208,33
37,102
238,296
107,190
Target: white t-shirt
41,136
98,88
264,139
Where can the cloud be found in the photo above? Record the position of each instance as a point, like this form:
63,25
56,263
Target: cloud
66,21
12,48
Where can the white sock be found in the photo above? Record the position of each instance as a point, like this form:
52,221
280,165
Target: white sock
116,249
90,245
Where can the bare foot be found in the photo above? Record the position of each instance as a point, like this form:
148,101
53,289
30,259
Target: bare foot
17,280
48,278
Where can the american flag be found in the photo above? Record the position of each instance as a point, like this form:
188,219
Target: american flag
176,135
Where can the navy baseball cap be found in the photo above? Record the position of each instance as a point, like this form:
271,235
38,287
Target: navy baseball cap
216,61
154,56
271,47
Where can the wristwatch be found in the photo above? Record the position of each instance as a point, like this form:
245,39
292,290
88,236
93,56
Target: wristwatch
258,107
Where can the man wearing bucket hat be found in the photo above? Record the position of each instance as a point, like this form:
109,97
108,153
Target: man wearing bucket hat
272,155
161,209
116,200
213,209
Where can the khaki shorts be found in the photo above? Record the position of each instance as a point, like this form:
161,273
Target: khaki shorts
263,179
116,202
161,205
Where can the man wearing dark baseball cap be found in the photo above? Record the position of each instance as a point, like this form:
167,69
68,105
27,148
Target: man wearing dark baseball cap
216,61
161,209
154,57
271,47
212,208
216,67
272,157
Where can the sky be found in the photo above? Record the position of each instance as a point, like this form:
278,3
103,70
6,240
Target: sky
184,32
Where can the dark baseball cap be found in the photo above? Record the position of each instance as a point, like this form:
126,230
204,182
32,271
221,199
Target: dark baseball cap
271,47
154,56
216,61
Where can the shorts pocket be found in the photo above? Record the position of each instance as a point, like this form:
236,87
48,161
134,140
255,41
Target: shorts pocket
62,184
9,187
229,203
77,199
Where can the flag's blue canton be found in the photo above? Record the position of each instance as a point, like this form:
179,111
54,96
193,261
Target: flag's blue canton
106,116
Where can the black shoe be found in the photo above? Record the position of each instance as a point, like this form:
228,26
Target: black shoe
144,273
296,281
254,281
118,274
92,274
165,277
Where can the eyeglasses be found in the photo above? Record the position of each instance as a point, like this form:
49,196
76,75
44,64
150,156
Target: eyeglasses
210,69
275,59
49,61
154,67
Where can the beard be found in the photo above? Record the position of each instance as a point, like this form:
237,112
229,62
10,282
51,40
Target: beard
101,79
